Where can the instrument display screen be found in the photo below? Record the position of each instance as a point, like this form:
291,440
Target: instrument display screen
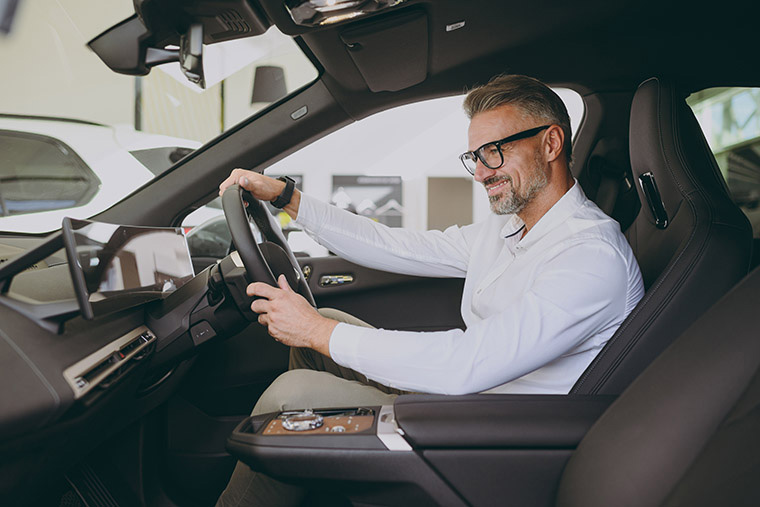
114,267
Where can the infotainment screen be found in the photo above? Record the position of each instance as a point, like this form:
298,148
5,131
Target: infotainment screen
114,267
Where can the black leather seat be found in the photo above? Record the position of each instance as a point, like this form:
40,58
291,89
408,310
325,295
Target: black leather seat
687,431
692,242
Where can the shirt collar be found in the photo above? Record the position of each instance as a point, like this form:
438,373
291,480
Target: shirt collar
512,227
557,214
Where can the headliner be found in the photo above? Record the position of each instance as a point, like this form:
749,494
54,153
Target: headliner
587,45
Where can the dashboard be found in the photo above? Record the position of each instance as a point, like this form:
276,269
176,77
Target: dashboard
73,380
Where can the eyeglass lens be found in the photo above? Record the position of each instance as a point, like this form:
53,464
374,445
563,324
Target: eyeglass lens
490,155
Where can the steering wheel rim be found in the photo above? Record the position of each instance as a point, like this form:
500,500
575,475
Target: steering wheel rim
256,265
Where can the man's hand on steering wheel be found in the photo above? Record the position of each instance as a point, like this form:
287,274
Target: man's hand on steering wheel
289,318
262,188
288,314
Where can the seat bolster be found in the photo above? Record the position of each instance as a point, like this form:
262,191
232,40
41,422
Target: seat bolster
653,433
688,264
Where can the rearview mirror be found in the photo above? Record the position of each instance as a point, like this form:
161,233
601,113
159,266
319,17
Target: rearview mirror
191,54
127,49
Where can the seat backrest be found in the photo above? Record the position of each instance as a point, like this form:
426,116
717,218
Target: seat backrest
687,431
691,241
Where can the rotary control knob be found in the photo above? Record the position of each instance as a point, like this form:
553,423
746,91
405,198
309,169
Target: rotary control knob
303,421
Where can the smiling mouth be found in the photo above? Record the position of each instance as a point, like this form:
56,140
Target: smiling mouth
493,187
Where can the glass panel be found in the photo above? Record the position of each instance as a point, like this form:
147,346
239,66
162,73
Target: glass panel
409,150
210,239
128,129
115,266
39,174
730,120
400,167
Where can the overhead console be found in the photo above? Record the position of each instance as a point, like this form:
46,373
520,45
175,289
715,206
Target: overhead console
166,31
388,45
390,52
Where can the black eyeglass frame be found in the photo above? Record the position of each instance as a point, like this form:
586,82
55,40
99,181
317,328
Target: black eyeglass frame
473,155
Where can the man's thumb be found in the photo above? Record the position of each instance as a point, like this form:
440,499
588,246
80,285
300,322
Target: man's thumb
283,283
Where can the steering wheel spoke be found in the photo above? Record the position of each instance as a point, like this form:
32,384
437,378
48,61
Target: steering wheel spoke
266,261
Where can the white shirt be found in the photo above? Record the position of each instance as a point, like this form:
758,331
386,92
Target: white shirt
537,309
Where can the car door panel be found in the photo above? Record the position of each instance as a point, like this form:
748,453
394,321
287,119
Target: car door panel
228,376
383,299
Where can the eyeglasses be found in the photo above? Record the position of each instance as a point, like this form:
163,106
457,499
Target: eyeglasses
490,153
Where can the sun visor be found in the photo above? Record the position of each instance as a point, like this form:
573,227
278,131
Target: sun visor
391,53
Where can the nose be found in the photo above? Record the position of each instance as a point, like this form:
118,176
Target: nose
482,172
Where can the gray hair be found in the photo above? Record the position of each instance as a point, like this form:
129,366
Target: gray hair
528,94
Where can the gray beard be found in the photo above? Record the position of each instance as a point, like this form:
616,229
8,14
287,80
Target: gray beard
510,201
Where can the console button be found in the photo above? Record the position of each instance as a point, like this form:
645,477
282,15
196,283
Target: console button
202,332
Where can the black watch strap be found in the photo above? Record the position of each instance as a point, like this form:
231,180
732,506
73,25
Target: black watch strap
287,194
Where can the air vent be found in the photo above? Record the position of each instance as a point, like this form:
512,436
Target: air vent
38,265
101,368
233,23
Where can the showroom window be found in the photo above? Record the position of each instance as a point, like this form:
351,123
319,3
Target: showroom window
730,120
399,167
126,128
38,173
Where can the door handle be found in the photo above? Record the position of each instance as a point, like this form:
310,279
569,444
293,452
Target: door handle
335,280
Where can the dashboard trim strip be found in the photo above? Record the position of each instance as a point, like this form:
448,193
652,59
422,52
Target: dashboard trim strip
74,374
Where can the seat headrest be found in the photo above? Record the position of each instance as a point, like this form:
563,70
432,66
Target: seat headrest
666,141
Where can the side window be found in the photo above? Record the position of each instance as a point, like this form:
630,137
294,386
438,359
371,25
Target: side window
39,173
211,239
209,236
399,167
730,120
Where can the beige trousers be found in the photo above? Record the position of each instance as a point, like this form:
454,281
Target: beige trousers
312,381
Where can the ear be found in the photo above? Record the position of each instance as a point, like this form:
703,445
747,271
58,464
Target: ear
555,143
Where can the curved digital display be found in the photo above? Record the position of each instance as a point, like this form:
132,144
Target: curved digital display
116,266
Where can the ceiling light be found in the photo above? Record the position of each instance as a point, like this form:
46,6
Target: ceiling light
325,12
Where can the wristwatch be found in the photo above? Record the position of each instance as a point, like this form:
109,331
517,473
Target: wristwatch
287,194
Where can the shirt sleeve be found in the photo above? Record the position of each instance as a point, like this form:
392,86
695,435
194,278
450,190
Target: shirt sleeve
374,245
578,293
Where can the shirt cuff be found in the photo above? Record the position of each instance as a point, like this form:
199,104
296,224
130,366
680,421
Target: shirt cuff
344,344
306,213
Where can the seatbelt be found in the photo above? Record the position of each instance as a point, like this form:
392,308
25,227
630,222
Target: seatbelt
610,159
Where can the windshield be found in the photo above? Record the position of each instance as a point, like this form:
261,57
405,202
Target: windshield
76,137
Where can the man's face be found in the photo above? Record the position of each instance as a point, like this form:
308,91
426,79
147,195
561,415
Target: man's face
524,173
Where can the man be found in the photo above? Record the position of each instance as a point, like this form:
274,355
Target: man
548,280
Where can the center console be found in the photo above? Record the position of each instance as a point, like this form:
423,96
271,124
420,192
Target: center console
362,448
424,449
370,428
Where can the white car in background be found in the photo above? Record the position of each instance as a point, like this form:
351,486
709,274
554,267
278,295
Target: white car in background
52,167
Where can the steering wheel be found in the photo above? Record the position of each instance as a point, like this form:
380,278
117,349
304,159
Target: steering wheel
266,261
